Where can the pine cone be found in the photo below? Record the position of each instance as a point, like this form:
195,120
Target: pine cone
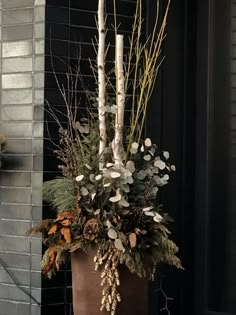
137,219
92,229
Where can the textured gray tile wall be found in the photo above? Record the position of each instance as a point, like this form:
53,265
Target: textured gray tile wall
22,32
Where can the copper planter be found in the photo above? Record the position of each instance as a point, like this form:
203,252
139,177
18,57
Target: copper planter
87,289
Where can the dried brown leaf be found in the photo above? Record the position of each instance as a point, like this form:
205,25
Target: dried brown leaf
53,229
66,233
132,240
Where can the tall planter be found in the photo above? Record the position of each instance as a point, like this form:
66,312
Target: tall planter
87,290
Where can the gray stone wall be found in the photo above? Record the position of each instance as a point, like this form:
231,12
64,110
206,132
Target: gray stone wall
21,119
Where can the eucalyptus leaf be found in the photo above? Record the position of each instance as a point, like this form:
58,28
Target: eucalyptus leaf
173,168
166,154
141,174
130,166
124,203
115,175
147,157
79,178
149,213
93,196
109,165
98,177
108,223
160,164
107,185
130,180
148,142
133,151
166,177
147,208
158,218
112,233
115,198
135,145
91,177
119,245
84,191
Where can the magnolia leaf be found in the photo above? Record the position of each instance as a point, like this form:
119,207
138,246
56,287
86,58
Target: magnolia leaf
115,198
158,218
52,230
147,157
132,240
147,208
112,233
123,203
173,168
119,245
149,213
160,164
130,166
79,178
98,177
66,233
84,191
115,174
166,154
134,145
148,142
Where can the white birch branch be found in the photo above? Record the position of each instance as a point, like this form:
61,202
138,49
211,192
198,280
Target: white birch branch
120,101
101,81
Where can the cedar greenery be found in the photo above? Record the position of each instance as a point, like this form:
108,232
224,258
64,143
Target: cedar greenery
107,196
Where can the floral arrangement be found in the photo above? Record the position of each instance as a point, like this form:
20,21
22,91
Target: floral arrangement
107,196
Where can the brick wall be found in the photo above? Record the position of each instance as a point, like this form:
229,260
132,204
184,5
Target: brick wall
21,118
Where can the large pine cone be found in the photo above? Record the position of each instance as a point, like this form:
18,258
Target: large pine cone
136,219
92,229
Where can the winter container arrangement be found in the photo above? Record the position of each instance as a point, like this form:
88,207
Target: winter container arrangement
108,218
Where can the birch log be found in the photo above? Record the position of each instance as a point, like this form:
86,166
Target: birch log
101,81
120,101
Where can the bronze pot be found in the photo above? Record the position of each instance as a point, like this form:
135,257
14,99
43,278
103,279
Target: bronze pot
87,290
